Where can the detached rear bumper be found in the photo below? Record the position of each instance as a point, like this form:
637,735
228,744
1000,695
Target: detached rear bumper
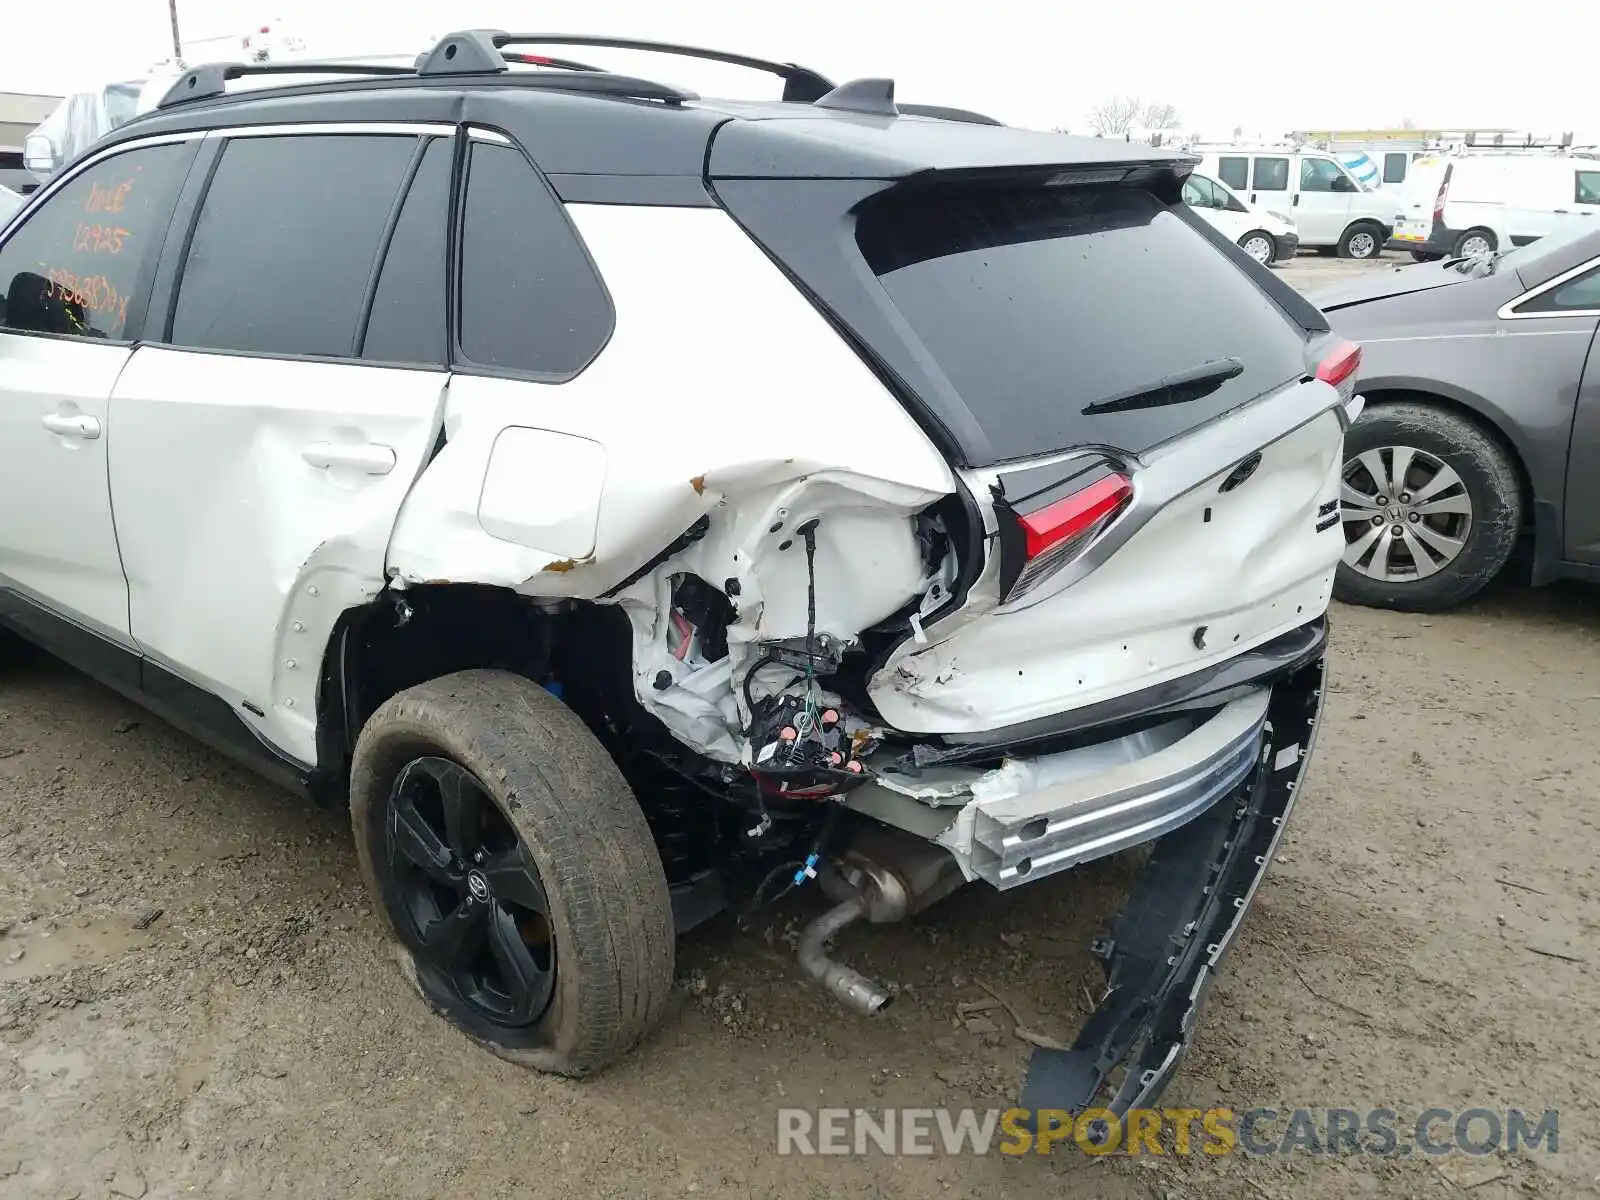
1184,913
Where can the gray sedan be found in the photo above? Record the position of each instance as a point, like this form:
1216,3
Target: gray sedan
1482,426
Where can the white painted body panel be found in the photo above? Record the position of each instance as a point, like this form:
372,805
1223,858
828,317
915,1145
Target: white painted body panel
1255,569
723,393
240,553
57,539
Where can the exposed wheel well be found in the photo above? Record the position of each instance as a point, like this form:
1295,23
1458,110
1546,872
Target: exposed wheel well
582,652
1472,415
408,637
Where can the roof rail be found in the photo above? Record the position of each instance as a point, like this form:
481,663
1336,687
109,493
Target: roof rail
800,84
466,53
945,113
210,80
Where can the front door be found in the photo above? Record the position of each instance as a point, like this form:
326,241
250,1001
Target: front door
71,276
263,450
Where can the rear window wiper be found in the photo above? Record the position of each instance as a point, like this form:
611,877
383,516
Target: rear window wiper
1180,387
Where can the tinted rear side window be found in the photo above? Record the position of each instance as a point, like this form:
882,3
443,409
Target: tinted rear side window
287,241
530,299
1234,171
408,322
1041,304
1272,175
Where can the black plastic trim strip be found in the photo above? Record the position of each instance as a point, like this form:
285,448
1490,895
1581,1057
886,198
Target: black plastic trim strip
654,191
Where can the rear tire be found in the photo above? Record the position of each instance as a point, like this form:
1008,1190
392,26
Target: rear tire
1482,510
1475,242
1363,242
545,791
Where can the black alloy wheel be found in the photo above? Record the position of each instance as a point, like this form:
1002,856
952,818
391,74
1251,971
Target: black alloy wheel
471,904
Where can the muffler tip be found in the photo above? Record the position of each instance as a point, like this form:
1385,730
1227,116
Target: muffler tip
849,986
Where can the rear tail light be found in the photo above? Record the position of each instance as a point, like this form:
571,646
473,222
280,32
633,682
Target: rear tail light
1037,544
1338,367
1444,194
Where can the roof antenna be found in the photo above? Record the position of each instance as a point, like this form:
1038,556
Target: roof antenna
875,97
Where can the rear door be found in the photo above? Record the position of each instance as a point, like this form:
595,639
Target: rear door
1571,309
289,396
71,278
1269,185
1318,205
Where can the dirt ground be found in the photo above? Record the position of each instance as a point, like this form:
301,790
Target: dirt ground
1430,936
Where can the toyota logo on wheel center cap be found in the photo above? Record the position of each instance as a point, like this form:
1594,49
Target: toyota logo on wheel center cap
478,886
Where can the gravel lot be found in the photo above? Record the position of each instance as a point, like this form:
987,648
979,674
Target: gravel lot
1429,937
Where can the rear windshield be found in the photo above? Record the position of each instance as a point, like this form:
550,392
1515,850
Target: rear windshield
1039,303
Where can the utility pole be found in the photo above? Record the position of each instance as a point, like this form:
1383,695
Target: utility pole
177,44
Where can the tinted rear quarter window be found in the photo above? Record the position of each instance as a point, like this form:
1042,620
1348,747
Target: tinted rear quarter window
1038,303
1234,171
530,299
1394,168
408,323
287,241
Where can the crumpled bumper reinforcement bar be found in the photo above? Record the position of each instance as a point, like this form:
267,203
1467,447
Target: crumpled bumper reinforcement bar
1184,912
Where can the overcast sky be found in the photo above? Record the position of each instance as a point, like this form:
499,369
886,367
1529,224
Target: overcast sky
1267,66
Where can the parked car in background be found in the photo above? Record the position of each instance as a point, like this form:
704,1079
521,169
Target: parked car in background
1482,424
1472,204
1267,237
1331,211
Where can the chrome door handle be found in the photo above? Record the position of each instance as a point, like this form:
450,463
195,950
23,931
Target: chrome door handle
79,425
368,457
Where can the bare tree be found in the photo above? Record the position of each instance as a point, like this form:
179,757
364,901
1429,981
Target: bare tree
1121,114
1115,116
1408,123
1158,116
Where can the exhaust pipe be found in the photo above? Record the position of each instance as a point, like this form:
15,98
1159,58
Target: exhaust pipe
850,987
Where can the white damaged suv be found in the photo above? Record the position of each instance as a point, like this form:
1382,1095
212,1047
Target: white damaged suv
635,505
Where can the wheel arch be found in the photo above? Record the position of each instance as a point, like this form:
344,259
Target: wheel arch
410,636
1479,412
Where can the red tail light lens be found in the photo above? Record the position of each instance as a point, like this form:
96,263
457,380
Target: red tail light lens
1444,194
1052,536
1340,363
1339,366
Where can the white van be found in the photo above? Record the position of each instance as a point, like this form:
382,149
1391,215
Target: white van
1330,209
1470,204
1267,237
